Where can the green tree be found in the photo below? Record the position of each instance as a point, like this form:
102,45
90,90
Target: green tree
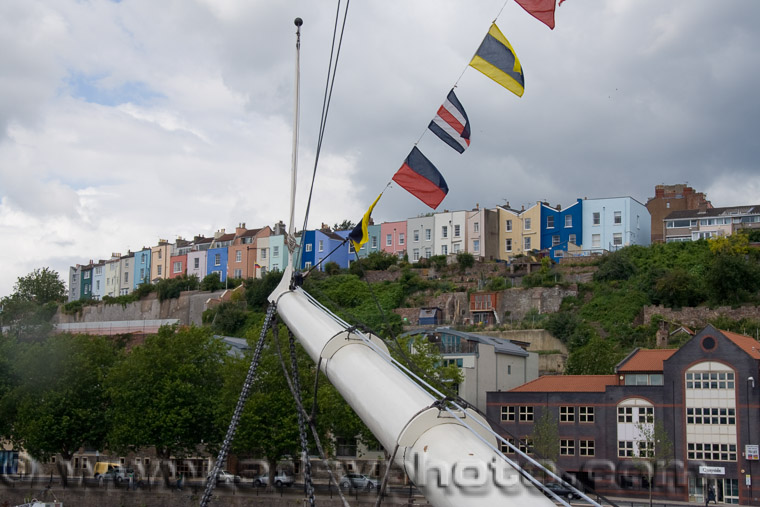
332,268
27,312
269,422
545,436
677,288
257,290
166,394
170,288
655,450
345,225
424,357
615,266
465,260
596,357
212,282
732,279
41,286
60,400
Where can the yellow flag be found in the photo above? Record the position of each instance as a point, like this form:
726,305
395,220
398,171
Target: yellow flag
496,59
360,234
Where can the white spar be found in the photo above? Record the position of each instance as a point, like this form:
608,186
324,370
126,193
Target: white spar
449,463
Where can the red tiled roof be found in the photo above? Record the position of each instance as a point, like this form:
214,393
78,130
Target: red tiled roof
250,233
567,383
646,360
746,343
226,237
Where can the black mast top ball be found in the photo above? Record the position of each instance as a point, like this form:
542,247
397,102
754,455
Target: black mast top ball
298,21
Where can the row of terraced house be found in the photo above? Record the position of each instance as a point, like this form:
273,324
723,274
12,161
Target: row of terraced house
587,226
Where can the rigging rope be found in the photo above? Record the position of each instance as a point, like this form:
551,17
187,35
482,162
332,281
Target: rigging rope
310,421
245,392
331,71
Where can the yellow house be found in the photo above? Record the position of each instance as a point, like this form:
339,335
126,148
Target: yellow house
519,230
160,260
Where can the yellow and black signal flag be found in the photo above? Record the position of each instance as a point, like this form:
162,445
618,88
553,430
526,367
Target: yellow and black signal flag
360,234
496,59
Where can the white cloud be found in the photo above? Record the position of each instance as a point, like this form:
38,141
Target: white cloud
122,123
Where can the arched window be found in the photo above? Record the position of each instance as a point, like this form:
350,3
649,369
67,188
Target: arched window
635,420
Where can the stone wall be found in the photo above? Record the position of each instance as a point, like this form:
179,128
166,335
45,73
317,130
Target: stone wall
188,309
455,308
540,341
697,317
514,304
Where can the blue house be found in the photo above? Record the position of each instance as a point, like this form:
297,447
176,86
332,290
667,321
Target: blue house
561,228
142,267
216,262
317,245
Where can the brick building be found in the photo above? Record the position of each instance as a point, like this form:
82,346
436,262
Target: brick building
669,198
706,395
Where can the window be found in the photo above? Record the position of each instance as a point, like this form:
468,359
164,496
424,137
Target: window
177,267
416,254
712,452
126,263
126,277
456,248
625,414
509,225
264,252
97,284
276,249
566,414
586,447
428,234
506,448
307,265
197,263
566,447
586,414
508,245
617,218
596,240
444,232
389,240
646,414
374,242
526,224
159,254
555,240
568,220
142,274
416,236
526,413
625,449
401,238
238,273
527,244
509,369
572,239
217,259
86,275
239,256
444,249
475,227
308,247
550,222
710,380
697,415
617,238
596,218
456,231
321,247
476,245
526,445
428,253
158,270
351,248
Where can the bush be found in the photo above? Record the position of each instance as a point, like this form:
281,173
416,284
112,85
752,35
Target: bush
465,260
170,288
212,282
332,268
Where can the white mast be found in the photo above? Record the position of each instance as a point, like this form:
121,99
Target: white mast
433,443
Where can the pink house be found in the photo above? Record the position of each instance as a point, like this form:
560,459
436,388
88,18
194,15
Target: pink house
393,237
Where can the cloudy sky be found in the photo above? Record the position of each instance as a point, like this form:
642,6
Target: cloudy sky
122,123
